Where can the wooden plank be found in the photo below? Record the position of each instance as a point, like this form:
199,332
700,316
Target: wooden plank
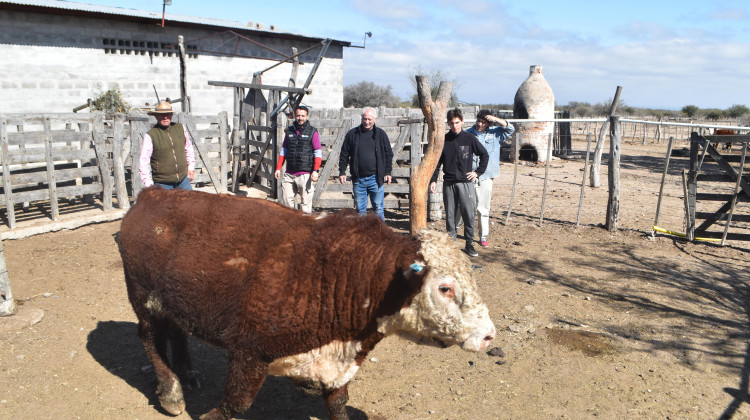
257,86
7,190
728,169
137,130
720,197
20,157
101,157
332,160
704,177
51,181
701,215
28,138
19,178
260,128
263,188
224,156
118,162
198,142
43,195
398,147
35,118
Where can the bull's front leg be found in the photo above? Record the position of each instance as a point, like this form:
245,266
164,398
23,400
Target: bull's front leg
245,376
336,402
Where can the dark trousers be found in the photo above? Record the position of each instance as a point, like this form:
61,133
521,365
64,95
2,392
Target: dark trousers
460,196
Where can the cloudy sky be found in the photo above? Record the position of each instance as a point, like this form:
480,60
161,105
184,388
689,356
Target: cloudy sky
665,54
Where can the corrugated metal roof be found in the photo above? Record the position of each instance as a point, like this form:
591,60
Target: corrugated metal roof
110,10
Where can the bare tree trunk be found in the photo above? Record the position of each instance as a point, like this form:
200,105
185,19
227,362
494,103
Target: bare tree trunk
597,161
613,204
434,113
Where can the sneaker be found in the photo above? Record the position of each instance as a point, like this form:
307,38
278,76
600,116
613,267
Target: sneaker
471,251
484,243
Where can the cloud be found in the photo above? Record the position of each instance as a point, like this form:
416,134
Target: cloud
729,14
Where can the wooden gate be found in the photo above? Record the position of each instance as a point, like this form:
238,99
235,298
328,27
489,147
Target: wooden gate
723,180
51,157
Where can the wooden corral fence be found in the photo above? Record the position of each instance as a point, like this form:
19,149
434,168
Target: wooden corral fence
723,178
53,157
405,129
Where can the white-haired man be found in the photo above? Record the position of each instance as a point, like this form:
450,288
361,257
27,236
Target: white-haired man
367,151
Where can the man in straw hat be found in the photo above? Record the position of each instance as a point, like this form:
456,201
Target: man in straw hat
167,158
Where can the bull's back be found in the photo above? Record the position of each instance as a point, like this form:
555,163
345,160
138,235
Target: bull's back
208,258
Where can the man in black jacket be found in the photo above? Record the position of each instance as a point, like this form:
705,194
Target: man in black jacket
367,151
458,186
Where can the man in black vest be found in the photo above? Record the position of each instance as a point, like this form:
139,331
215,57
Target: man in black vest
167,157
368,153
301,151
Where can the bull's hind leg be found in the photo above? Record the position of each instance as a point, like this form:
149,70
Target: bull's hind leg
153,335
336,402
245,375
181,362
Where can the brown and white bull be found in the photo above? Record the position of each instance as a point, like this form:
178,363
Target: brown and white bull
285,293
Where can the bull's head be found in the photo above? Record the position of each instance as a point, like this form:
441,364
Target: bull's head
448,307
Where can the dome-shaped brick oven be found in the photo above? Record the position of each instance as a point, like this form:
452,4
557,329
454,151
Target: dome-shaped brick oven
534,100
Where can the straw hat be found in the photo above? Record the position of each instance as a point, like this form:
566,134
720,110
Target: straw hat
162,107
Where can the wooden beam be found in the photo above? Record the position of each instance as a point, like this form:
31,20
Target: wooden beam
258,86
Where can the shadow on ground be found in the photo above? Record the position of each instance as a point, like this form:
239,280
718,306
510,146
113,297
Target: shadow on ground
116,346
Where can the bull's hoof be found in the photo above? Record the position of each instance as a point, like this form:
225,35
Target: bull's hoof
214,414
172,401
173,407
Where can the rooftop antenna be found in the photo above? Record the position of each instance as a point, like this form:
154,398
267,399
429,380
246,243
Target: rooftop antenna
164,10
367,35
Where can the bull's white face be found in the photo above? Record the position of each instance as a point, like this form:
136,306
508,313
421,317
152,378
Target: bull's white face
448,308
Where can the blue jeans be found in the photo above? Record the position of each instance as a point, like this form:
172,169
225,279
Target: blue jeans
368,187
183,185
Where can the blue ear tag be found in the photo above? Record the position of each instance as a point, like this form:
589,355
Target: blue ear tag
416,267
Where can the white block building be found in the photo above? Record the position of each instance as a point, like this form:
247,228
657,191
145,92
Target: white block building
55,54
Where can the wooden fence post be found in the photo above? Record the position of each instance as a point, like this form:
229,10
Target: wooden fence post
7,305
7,190
118,163
613,204
51,181
101,157
597,160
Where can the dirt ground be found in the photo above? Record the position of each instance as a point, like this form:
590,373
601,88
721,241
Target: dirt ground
592,324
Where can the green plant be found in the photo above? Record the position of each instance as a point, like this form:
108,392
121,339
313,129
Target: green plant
110,101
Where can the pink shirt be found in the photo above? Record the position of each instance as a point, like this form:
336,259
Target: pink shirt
147,149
